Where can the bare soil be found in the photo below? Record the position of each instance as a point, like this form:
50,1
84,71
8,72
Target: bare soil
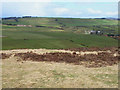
4,56
84,49
88,60
100,59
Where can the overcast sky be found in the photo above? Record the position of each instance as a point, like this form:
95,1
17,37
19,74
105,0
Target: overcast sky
61,9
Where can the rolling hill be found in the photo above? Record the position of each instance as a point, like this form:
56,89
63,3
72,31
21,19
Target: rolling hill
56,33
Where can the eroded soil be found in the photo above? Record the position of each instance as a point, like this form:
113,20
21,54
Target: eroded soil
99,59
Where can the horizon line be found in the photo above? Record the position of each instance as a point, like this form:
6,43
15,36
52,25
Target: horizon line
52,17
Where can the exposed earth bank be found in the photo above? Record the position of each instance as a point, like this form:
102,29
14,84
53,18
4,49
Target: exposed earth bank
88,57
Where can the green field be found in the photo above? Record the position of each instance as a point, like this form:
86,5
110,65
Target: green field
57,33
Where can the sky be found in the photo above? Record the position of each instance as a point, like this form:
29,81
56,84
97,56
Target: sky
71,9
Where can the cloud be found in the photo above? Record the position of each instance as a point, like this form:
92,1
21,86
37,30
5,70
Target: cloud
60,11
112,13
78,13
33,9
26,0
90,10
59,1
66,11
56,9
100,13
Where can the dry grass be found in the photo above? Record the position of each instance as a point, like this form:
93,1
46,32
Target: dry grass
0,74
41,51
56,75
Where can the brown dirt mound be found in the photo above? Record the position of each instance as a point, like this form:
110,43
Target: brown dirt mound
88,60
4,55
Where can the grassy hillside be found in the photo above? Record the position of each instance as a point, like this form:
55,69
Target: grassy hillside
58,21
33,21
52,36
75,25
86,22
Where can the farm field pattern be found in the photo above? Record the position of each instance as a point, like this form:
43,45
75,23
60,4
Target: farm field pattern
57,33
